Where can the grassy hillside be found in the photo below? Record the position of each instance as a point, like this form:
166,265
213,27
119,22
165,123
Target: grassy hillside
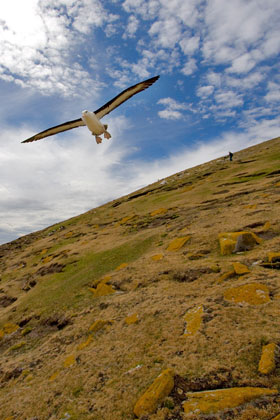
141,306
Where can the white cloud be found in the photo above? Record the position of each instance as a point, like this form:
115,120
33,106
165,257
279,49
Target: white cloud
172,110
205,91
189,45
273,94
189,68
132,26
229,99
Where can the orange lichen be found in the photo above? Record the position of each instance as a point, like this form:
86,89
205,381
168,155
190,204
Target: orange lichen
158,211
121,266
177,243
132,319
47,259
266,226
211,402
273,257
127,219
240,268
251,206
69,361
226,275
102,289
53,376
267,361
253,294
157,257
193,319
155,394
86,343
9,328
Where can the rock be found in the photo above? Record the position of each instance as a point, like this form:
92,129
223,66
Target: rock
273,257
98,325
267,361
121,266
10,328
86,343
226,275
211,402
155,394
240,268
102,289
132,319
231,242
69,361
276,418
158,211
252,293
157,257
193,319
251,206
177,243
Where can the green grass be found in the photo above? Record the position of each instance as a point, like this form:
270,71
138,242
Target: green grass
68,289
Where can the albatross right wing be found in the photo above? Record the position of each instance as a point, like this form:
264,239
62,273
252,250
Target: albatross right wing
57,129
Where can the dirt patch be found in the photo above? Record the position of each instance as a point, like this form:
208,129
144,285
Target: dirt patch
53,268
6,300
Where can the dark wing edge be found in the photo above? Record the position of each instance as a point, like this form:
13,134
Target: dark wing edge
57,129
126,94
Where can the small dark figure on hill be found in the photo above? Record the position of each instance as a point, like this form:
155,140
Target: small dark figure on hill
230,156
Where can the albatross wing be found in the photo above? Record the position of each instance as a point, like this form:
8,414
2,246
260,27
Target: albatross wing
124,96
57,129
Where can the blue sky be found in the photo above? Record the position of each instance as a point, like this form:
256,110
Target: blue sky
219,90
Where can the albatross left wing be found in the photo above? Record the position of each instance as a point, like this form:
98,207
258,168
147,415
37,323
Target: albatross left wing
124,96
57,129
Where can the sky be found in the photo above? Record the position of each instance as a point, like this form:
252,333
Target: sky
219,91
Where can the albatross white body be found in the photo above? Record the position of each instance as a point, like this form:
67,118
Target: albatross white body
95,126
92,119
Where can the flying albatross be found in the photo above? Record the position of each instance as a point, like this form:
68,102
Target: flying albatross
92,119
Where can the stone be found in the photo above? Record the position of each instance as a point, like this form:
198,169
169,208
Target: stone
193,319
127,219
121,266
10,328
226,275
158,212
211,402
69,361
267,361
273,257
276,418
132,319
177,243
98,325
155,394
240,268
157,257
86,343
102,289
251,206
252,294
231,242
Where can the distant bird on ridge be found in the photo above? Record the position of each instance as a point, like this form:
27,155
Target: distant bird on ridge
92,119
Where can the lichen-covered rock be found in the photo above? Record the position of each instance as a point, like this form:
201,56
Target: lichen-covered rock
273,257
47,259
266,226
155,394
240,268
10,328
252,293
69,361
127,219
102,289
157,257
193,319
86,343
211,402
53,376
98,325
276,418
132,319
177,243
251,206
121,266
267,361
237,241
226,275
158,212
17,346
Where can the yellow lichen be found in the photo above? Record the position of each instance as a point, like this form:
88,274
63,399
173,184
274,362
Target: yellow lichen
53,376
187,189
226,275
86,343
10,328
228,240
44,251
266,226
273,257
47,259
240,268
158,211
155,394
132,319
193,319
276,418
253,294
211,402
98,325
157,257
267,361
251,206
102,289
1,334
127,219
121,266
177,243
69,361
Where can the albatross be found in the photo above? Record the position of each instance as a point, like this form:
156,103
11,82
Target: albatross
92,119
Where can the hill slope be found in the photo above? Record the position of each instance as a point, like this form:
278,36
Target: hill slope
176,285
